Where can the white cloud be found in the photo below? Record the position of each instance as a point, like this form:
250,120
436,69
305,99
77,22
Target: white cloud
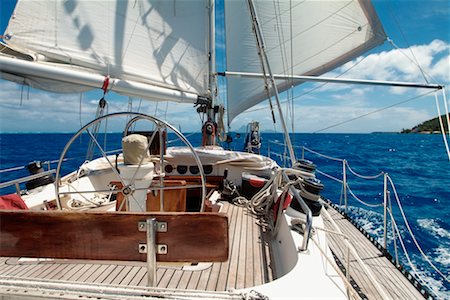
352,115
319,118
402,64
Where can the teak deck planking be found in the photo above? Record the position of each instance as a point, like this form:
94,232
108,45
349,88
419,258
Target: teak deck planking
393,282
244,267
249,264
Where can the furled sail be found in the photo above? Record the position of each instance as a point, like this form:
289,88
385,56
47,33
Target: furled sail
307,37
141,45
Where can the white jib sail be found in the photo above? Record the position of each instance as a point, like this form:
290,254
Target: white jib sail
322,35
159,43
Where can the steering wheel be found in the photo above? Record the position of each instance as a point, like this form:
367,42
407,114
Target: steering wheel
107,164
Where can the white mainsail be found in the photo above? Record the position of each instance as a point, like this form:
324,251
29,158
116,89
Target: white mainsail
308,37
159,44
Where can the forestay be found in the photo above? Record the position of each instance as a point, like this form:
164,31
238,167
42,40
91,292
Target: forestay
301,38
158,43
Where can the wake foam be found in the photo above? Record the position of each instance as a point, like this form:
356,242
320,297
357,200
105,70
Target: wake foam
432,226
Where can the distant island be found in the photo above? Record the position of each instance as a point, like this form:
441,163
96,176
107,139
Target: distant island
430,126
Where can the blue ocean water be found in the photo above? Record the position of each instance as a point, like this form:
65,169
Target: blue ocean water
417,164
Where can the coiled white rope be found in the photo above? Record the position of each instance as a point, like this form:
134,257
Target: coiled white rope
264,199
261,202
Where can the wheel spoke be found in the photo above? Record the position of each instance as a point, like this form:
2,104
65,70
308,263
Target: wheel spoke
137,202
106,157
160,126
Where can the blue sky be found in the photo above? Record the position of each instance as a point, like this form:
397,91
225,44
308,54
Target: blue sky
421,29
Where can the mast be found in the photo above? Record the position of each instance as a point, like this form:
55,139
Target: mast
212,52
209,129
260,42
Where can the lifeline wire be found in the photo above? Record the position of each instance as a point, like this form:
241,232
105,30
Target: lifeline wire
373,112
396,227
411,233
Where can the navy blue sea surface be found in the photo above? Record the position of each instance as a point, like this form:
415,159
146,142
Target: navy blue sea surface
416,163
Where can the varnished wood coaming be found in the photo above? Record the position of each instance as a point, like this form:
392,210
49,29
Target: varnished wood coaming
218,276
112,235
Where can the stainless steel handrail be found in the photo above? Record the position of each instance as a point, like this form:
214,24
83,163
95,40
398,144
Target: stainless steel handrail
27,178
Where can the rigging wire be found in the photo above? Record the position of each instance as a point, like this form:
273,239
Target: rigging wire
374,111
105,133
313,89
292,65
165,111
416,62
156,108
292,70
424,74
283,52
80,109
21,94
139,106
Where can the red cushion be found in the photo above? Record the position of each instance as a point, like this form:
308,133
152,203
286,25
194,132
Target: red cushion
12,201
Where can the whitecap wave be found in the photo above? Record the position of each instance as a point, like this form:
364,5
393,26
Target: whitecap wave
443,256
371,221
433,227
437,287
427,278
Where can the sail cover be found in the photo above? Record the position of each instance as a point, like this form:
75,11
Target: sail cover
163,43
307,37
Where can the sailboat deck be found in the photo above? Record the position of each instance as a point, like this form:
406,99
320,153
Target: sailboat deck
391,280
249,264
